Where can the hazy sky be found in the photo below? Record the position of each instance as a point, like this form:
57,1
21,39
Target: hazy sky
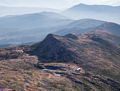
57,4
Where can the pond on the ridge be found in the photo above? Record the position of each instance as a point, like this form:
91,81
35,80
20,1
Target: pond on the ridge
53,67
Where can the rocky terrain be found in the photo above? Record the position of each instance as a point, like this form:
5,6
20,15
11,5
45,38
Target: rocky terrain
27,74
87,62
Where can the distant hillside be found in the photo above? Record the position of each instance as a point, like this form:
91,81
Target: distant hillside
100,12
81,27
35,20
110,27
29,27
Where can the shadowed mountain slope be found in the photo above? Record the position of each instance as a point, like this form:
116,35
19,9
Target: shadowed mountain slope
97,51
20,71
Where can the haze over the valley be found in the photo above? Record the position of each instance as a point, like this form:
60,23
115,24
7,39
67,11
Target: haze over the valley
18,7
33,20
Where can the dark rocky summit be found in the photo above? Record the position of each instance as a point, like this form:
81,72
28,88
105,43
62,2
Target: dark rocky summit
96,51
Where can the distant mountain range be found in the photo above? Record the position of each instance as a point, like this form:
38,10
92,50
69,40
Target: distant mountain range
30,27
32,20
86,25
79,26
6,10
35,26
100,12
